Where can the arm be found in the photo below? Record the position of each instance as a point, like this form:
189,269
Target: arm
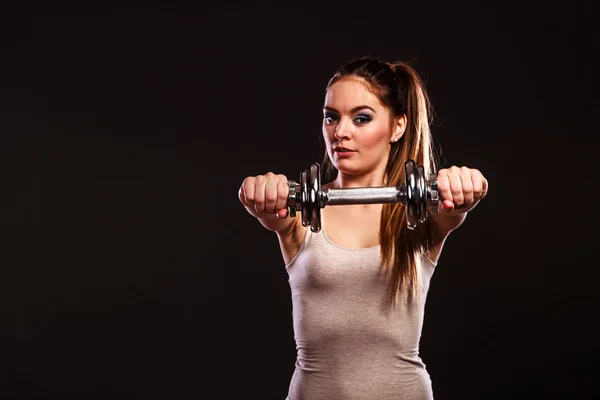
265,198
460,189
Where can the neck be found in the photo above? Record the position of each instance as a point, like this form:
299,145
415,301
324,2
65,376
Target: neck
347,181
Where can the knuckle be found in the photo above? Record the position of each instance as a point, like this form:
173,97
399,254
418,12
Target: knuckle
271,196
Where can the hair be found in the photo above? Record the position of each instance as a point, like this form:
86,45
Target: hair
399,88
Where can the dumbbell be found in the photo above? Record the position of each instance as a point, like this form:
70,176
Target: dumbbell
417,194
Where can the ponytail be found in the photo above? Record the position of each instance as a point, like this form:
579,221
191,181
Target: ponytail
401,248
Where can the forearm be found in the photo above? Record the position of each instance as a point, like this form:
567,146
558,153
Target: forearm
441,226
271,221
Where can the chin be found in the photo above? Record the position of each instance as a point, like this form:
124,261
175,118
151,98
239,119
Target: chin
346,167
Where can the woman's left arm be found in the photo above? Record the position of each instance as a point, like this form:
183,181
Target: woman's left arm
460,190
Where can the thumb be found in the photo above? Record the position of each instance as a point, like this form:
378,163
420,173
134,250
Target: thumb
446,206
282,213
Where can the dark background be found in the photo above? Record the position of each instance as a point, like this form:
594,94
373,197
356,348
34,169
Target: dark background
129,269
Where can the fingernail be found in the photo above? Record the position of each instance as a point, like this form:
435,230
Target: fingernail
447,204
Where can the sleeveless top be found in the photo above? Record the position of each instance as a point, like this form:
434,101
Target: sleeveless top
350,344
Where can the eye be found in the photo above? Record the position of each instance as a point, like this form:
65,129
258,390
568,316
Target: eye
329,118
362,119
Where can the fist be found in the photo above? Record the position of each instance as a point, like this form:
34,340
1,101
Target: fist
265,195
460,189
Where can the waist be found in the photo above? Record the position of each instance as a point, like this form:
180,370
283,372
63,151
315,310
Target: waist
356,356
361,381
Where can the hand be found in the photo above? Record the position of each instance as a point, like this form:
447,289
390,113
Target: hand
460,189
265,195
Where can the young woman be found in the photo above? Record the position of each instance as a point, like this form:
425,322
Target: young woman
359,284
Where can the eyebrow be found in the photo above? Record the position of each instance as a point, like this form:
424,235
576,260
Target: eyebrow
355,109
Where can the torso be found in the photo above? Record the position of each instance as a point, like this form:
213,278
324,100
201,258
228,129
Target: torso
353,226
350,344
349,226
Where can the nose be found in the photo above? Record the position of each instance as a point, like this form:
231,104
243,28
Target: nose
343,130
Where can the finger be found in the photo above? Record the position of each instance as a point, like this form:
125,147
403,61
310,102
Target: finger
283,190
456,187
466,179
485,187
477,180
443,184
445,206
259,194
246,193
270,194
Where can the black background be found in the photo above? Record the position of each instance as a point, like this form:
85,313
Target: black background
129,269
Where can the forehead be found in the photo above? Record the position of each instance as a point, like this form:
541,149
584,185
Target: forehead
350,93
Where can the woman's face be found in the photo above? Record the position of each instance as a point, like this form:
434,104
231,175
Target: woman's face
356,128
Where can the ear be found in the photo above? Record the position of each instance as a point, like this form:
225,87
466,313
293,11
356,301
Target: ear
398,128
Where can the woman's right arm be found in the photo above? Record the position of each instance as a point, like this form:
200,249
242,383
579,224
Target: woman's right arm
265,197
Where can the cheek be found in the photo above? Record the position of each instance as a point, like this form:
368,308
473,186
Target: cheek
328,133
375,137
327,136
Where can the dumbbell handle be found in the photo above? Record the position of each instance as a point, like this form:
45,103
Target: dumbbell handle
363,195
359,195
416,193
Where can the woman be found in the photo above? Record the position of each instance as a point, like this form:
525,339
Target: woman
359,284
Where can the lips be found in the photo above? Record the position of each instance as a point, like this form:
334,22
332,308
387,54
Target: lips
342,149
